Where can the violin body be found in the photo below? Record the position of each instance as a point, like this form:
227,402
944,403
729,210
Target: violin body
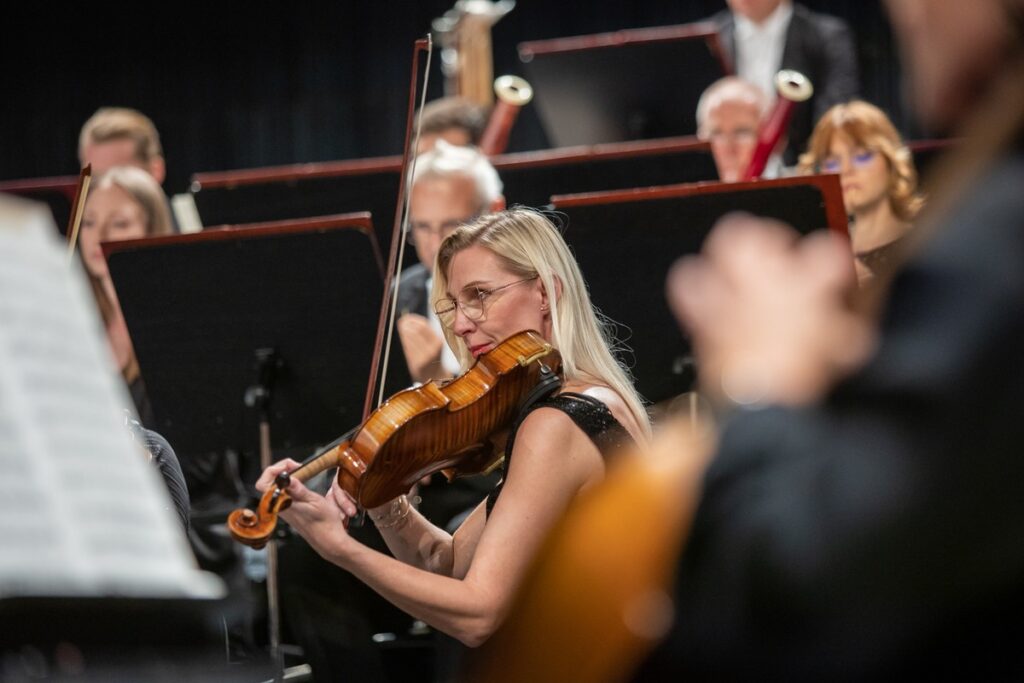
431,428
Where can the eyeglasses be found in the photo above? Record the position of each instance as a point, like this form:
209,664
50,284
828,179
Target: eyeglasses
423,230
740,135
473,302
834,163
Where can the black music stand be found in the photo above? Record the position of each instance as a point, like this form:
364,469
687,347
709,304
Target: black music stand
627,85
201,309
110,638
255,339
58,193
625,243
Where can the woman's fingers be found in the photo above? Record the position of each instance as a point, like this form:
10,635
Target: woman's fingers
266,479
346,504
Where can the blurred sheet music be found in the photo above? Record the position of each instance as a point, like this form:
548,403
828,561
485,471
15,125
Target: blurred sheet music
83,513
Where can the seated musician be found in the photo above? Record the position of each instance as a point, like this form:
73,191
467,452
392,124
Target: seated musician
128,203
124,203
456,120
859,142
496,276
119,136
730,113
451,185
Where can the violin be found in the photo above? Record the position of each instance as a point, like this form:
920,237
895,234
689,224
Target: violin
436,427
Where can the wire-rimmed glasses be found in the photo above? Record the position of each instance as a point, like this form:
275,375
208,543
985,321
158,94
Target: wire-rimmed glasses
473,302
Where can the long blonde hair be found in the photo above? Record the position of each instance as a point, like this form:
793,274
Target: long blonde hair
528,245
868,126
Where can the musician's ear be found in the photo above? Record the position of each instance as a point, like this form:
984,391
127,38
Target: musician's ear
157,168
498,204
544,303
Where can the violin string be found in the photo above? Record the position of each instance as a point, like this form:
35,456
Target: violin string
404,237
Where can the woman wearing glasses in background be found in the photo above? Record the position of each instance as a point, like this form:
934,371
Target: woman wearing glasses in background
859,142
502,273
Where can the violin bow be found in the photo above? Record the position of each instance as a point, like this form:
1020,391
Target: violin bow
401,227
78,208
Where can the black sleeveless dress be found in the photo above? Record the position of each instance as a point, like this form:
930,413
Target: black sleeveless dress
589,414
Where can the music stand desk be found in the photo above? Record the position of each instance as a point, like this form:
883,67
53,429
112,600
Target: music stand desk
530,178
57,192
625,243
626,85
200,306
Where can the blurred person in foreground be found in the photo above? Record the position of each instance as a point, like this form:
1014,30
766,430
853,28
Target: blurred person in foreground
861,516
858,515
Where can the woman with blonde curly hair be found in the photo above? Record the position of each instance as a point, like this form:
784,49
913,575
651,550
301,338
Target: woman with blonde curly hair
859,142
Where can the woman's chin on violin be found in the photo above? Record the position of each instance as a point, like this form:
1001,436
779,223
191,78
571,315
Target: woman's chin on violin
496,277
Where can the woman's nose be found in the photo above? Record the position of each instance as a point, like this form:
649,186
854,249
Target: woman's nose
463,324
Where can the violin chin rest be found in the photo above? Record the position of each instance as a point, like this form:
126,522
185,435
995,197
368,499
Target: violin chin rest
473,459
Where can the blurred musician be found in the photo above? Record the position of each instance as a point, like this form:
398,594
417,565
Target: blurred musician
863,514
124,203
159,452
859,142
119,136
451,186
456,120
730,113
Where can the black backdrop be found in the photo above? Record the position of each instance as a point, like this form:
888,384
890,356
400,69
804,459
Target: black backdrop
232,85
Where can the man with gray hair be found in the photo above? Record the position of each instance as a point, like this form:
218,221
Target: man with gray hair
450,186
729,115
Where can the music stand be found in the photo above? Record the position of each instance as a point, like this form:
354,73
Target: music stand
58,193
252,338
627,85
529,178
625,242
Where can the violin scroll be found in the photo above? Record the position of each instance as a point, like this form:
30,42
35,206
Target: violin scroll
255,528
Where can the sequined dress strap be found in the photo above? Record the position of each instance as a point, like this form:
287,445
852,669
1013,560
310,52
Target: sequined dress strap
589,414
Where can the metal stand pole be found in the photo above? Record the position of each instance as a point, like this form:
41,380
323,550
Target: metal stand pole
259,396
273,605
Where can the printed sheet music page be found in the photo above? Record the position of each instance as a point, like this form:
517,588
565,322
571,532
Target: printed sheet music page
83,512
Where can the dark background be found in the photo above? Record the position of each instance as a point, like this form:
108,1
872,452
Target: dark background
233,85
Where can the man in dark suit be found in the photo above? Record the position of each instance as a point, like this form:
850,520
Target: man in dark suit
762,36
863,514
451,186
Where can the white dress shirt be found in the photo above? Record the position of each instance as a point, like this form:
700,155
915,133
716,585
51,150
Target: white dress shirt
759,47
